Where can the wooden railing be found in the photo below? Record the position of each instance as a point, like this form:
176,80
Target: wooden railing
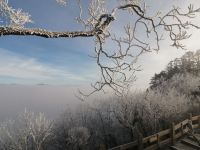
163,138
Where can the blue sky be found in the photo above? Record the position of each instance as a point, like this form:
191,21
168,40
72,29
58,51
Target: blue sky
69,56
34,60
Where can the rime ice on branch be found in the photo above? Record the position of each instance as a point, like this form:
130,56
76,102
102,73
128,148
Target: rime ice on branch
120,73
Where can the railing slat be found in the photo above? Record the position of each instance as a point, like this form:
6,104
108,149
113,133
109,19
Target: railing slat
195,118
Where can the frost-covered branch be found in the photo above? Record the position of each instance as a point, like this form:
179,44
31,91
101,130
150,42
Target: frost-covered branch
117,66
13,17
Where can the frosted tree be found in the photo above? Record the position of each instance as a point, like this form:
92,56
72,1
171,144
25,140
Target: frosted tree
127,111
151,111
78,137
117,66
28,132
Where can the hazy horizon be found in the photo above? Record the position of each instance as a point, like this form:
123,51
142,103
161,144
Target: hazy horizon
52,100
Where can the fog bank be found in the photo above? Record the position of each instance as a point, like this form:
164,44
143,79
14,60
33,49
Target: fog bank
52,100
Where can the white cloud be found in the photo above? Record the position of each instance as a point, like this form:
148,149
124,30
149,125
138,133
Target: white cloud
18,66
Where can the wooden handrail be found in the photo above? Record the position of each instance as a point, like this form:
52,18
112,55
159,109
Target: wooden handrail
162,138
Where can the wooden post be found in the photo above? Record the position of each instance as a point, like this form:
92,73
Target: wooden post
190,117
158,140
182,129
140,141
199,121
191,121
173,138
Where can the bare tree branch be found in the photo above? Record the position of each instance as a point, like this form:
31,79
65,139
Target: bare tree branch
119,73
